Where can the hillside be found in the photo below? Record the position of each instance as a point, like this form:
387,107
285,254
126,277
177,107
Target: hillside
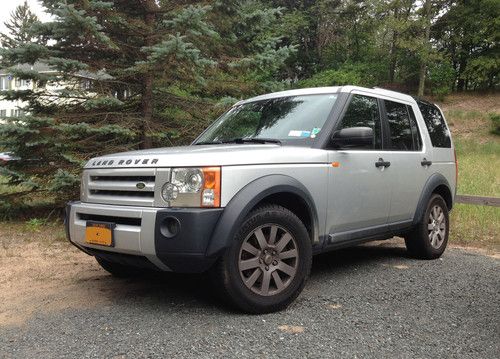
478,151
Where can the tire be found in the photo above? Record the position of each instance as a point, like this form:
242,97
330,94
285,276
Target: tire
118,270
429,238
268,262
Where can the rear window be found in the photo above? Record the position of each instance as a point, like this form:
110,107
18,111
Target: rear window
434,121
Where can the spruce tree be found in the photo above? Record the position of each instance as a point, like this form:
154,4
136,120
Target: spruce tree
130,75
19,27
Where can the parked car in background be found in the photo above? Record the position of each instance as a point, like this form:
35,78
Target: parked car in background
275,180
6,157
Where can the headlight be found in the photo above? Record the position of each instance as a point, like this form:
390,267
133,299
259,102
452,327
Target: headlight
193,187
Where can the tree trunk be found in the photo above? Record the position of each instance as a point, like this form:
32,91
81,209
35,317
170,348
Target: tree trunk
393,55
421,79
425,53
147,111
147,95
461,85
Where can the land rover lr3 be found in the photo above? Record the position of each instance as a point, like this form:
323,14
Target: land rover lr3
272,182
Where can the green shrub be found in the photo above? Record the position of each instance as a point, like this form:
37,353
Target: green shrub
495,119
358,74
440,79
34,224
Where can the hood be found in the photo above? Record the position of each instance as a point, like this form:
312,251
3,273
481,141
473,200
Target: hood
210,155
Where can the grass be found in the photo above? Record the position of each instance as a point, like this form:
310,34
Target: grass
476,226
478,153
478,167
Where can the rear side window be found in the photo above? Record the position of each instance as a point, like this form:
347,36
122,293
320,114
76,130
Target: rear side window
434,121
401,136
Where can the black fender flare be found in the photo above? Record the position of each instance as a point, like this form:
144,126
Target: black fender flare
246,199
434,181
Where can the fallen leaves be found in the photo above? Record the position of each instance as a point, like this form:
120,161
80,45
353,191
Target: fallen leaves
400,266
396,266
292,329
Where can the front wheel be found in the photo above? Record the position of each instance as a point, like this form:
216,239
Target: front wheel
268,262
429,238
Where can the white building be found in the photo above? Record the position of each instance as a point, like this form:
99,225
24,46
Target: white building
83,80
9,82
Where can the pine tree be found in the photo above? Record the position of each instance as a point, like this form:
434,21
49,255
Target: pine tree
131,75
19,27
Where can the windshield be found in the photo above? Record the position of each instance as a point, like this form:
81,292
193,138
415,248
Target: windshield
286,119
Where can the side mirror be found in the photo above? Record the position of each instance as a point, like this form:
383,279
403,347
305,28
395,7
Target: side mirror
352,137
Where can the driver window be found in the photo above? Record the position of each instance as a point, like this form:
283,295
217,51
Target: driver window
363,111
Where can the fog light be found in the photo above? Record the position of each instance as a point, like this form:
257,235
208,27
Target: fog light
169,192
170,227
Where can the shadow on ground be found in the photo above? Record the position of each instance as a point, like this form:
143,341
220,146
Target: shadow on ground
173,289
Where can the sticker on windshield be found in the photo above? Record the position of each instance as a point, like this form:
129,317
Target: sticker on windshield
315,131
295,133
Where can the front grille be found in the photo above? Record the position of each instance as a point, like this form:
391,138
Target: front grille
100,192
111,219
123,178
134,187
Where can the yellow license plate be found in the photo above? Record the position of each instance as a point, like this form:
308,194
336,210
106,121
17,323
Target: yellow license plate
99,233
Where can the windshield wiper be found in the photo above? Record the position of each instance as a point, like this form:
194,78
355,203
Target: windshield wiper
253,140
209,143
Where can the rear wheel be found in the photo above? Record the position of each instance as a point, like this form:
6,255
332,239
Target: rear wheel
266,267
429,238
118,270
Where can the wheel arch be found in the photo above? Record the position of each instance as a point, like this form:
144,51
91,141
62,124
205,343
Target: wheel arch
277,189
436,184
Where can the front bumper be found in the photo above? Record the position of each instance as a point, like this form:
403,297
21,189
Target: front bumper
167,239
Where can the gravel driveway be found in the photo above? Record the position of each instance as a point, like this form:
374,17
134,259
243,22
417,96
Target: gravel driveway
364,302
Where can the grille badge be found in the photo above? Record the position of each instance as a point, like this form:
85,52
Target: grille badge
140,185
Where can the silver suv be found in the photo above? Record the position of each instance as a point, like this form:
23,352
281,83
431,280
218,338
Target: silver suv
272,182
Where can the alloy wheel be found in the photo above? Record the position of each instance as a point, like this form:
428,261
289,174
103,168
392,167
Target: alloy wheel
268,260
436,227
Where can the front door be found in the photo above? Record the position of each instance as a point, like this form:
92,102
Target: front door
358,190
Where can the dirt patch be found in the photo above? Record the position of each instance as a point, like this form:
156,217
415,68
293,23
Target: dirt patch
471,102
38,278
39,274
468,115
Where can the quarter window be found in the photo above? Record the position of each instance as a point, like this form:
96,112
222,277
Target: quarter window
401,137
363,111
417,140
434,121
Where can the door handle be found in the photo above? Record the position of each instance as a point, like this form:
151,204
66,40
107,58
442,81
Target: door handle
425,162
382,163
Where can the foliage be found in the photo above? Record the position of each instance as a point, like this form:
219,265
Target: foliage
19,27
129,75
467,34
349,74
495,119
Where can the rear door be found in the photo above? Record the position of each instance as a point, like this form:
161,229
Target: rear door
409,157
358,191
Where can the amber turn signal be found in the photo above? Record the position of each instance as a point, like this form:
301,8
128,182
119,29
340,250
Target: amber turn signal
210,194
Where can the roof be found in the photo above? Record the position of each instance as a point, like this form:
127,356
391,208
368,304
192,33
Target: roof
37,66
330,90
42,67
